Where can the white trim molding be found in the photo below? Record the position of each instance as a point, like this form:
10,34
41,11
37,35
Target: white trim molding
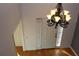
59,36
73,51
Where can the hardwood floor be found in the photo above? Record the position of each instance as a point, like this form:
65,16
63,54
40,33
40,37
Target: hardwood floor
46,52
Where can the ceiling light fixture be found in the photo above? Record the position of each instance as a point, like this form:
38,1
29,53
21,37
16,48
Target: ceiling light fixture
58,16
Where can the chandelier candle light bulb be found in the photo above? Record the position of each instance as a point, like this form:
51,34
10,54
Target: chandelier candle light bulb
57,18
68,18
66,12
53,11
49,16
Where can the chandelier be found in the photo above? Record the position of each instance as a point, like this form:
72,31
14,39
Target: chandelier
58,16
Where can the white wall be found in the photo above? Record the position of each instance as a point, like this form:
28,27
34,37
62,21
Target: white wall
68,32
75,41
18,35
9,18
45,36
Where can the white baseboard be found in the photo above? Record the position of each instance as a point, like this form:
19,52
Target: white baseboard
73,51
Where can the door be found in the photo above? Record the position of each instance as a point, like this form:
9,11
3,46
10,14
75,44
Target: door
46,35
37,34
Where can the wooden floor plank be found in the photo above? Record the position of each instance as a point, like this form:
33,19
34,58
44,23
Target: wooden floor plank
46,52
